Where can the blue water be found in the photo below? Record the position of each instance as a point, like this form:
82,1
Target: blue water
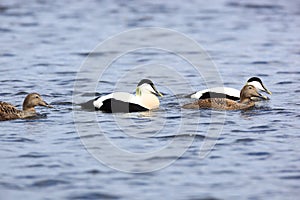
44,45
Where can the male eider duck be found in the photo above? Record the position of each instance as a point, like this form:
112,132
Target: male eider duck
246,95
145,99
230,93
9,112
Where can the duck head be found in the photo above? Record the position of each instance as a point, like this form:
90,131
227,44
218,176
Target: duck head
248,92
32,100
147,86
256,82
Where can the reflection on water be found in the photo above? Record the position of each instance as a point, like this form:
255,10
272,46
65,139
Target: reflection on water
43,45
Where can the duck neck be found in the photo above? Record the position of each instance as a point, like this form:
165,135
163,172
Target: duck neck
28,109
245,100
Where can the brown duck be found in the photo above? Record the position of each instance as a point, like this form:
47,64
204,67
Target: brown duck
9,112
246,95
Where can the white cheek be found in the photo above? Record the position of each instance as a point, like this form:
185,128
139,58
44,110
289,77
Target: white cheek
150,89
257,85
146,88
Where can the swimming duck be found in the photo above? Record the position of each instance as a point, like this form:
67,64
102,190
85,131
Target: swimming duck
246,95
231,93
9,112
145,99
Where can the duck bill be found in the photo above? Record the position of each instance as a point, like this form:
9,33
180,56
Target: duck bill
45,104
262,96
157,92
266,90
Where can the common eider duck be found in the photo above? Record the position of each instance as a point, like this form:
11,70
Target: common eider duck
246,95
145,99
231,93
9,112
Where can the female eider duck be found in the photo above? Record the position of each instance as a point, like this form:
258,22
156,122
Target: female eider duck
144,100
9,112
246,95
230,93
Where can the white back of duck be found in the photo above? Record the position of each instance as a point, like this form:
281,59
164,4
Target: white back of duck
220,90
121,96
145,99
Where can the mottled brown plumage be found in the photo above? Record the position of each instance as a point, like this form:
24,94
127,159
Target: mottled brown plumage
9,112
246,95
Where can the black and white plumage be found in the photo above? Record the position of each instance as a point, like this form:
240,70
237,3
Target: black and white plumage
145,99
230,93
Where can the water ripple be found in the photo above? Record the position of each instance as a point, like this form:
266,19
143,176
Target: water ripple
18,139
245,140
291,177
259,154
48,183
10,186
33,155
94,195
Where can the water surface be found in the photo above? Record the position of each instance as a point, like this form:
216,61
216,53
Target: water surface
43,45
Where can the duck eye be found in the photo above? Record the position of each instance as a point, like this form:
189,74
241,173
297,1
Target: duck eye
36,96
